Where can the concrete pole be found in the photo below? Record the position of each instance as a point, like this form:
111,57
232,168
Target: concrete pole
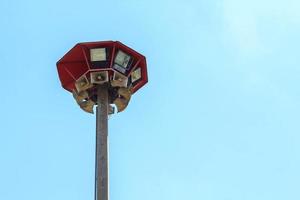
101,182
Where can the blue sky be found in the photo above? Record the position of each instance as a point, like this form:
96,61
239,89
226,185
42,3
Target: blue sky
218,120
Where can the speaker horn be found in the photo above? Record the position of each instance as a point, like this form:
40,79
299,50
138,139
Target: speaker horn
79,97
99,77
82,84
123,99
119,80
87,106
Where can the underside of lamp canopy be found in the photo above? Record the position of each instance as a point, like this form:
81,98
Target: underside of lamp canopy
88,65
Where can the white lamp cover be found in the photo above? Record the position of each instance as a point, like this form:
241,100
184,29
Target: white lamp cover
122,59
136,75
98,54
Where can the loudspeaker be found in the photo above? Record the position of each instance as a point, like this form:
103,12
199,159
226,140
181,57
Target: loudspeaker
87,106
99,77
123,99
119,80
79,97
82,84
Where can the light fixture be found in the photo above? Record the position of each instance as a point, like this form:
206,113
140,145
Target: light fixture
119,80
99,77
136,75
98,54
122,61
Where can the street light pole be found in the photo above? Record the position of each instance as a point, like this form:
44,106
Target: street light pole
106,74
101,180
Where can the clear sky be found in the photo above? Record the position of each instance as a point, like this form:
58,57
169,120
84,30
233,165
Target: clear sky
218,120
